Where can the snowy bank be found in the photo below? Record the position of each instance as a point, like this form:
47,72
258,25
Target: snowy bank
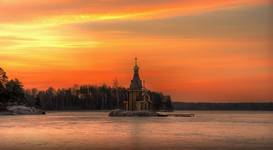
24,110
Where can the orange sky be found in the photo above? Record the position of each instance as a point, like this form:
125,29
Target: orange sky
198,51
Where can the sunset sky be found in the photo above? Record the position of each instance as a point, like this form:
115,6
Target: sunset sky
194,50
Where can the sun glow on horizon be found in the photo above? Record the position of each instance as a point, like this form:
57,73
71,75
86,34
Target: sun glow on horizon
193,50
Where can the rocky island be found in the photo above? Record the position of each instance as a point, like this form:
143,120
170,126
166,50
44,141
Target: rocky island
146,113
22,110
122,113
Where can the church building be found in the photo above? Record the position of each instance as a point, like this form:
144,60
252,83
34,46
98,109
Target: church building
139,98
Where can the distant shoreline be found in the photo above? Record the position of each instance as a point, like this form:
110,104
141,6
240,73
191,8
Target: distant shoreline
194,106
263,106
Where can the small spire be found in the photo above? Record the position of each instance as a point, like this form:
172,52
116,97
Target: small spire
135,60
136,83
136,66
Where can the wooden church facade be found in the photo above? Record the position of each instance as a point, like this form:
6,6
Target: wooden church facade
139,98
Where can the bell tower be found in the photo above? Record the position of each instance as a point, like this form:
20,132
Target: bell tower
135,91
136,83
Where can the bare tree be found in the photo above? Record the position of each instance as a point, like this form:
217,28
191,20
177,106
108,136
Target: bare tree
116,88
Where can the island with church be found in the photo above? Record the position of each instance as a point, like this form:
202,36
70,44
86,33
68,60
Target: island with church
139,98
139,101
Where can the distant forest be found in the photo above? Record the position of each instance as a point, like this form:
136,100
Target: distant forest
89,97
82,97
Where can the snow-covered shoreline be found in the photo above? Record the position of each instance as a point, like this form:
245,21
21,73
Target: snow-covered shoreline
22,110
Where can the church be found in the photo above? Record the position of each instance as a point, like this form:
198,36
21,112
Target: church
139,98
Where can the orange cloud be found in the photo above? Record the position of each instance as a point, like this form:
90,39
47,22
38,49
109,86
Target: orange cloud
70,11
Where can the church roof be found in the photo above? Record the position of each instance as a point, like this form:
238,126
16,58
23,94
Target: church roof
136,83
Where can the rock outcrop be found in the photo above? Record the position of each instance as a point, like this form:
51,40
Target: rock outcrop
122,113
24,110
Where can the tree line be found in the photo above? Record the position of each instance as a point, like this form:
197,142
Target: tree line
11,91
78,97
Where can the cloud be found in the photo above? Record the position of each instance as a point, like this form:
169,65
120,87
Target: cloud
247,22
32,10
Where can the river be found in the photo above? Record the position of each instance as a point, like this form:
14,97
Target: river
230,130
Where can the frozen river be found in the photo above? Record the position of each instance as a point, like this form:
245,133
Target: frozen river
236,130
